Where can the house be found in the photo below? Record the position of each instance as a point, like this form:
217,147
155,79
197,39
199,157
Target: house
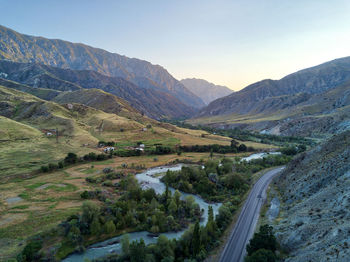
108,149
144,129
142,145
49,132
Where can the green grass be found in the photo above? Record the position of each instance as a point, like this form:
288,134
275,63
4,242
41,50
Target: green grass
36,185
89,171
36,222
24,195
66,188
105,162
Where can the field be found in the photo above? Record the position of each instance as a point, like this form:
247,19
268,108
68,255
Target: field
45,200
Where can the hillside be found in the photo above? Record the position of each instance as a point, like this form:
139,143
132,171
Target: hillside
294,105
43,93
314,220
97,99
54,52
207,91
153,103
26,122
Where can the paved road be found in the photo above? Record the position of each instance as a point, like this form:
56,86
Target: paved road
235,247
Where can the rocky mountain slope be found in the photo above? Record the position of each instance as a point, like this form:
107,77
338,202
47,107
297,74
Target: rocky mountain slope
154,103
207,91
314,80
24,48
314,99
315,188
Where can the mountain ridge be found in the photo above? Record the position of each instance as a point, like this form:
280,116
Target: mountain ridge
207,91
64,54
297,104
154,103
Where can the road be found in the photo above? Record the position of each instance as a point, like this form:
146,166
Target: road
243,231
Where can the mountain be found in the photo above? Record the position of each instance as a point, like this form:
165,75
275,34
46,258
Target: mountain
54,52
294,105
207,91
154,103
43,93
313,224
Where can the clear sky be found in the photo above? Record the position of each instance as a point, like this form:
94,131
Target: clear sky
232,43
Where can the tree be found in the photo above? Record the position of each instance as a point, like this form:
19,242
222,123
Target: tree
210,214
261,255
154,204
177,196
74,235
166,196
110,227
196,242
173,208
164,248
224,216
211,226
137,251
242,148
71,158
211,153
264,239
95,227
90,210
30,251
125,244
190,201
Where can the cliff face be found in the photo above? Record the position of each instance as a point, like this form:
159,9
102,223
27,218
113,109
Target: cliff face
54,52
314,224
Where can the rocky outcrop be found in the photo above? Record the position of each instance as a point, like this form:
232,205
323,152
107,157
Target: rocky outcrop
314,224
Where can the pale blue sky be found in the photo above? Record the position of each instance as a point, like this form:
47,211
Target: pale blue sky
232,43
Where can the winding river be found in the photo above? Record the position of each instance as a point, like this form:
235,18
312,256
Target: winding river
148,179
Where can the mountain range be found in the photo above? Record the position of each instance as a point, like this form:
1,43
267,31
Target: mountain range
154,103
58,53
207,91
309,102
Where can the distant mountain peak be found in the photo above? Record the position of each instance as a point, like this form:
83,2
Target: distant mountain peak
207,91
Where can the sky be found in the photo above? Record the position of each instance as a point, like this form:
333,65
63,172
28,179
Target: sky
233,43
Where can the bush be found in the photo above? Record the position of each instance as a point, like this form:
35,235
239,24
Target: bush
30,251
85,195
44,169
71,158
261,255
60,165
264,239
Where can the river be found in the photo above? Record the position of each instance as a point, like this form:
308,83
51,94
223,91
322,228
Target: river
147,179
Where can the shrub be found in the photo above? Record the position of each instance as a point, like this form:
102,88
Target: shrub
44,169
264,239
30,251
71,158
